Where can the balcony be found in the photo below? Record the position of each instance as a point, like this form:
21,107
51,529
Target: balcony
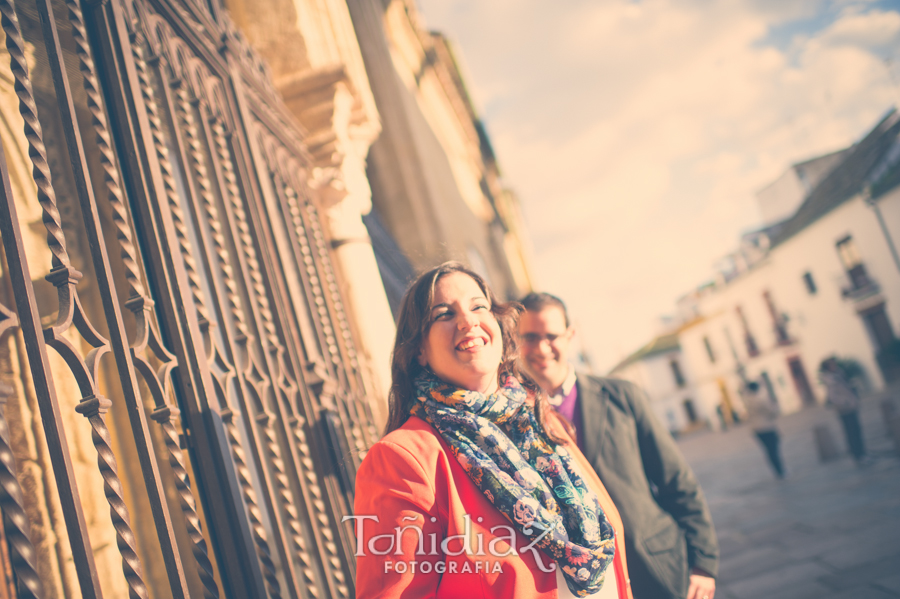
779,321
752,347
782,337
861,285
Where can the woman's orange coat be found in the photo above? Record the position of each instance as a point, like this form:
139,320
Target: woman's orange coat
411,482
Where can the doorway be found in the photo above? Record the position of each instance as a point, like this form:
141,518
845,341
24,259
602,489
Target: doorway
801,382
690,411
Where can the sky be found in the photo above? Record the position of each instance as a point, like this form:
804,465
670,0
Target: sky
636,133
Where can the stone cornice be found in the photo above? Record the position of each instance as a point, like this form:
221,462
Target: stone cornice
325,103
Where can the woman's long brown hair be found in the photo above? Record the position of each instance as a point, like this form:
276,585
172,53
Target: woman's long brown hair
413,326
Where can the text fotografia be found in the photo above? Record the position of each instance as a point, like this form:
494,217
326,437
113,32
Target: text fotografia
414,566
502,545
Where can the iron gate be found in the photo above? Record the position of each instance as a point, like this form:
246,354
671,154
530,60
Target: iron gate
161,153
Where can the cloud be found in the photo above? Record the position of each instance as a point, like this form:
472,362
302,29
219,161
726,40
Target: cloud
876,30
637,132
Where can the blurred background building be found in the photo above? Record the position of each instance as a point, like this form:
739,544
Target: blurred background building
436,187
820,279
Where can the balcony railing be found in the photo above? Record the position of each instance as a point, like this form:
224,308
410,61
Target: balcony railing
782,337
860,284
752,348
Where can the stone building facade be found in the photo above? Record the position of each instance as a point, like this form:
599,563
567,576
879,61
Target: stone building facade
435,181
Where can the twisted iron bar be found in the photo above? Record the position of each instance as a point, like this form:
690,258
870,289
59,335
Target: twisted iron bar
309,265
303,231
116,197
139,302
306,252
312,483
65,277
201,174
314,224
15,521
162,152
361,407
93,408
246,236
256,524
164,416
287,500
233,193
362,411
315,489
18,63
281,478
331,284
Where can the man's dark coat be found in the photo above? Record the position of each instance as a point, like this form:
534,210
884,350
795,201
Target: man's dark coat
668,527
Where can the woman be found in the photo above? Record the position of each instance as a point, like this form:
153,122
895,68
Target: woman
475,491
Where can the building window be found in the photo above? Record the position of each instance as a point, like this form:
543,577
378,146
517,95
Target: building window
676,372
810,283
779,321
798,373
709,349
690,411
848,253
749,339
849,256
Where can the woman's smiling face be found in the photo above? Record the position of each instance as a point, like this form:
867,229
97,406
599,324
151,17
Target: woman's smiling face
464,345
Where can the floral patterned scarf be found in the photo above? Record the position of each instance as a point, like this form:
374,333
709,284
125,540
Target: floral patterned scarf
533,483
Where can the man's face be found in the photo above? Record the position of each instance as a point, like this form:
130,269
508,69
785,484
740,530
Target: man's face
545,346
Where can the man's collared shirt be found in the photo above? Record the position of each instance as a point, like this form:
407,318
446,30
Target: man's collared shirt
565,400
565,389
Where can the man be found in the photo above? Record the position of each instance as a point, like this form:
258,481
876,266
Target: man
844,399
669,537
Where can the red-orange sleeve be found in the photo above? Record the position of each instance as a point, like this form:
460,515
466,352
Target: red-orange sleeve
395,498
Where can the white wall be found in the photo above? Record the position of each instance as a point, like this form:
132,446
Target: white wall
820,324
708,377
654,375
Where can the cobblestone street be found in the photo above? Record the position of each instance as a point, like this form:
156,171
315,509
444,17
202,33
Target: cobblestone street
829,530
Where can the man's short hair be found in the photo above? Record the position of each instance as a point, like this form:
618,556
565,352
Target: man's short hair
753,386
535,302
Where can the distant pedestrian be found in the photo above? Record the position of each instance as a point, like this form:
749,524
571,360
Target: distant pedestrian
844,399
762,413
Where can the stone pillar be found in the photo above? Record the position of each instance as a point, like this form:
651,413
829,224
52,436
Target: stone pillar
363,288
